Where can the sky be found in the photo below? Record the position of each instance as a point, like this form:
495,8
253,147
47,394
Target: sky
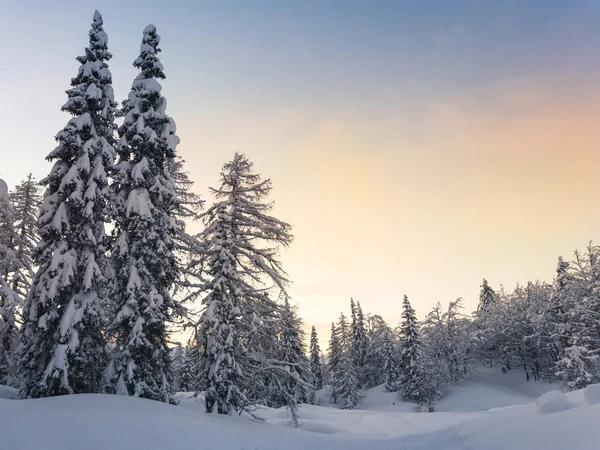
416,147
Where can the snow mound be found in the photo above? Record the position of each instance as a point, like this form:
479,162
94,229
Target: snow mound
592,393
3,190
8,393
551,402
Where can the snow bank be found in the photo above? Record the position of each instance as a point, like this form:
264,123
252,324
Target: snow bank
98,422
3,190
8,393
551,402
592,393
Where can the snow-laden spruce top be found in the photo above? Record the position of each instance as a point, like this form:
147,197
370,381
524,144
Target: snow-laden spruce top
92,90
148,60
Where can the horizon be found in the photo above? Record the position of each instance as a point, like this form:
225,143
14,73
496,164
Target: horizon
414,149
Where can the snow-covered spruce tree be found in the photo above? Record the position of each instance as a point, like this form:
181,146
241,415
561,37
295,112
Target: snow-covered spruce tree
222,345
187,371
26,202
143,251
415,381
316,368
294,358
177,355
487,296
63,342
345,390
9,239
9,301
239,326
359,343
334,362
556,314
410,346
390,365
484,333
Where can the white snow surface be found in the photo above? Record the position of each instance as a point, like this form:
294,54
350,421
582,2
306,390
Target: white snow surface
551,402
94,422
592,393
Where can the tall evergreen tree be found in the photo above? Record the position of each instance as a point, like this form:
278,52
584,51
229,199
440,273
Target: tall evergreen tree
360,343
316,368
9,301
238,329
26,202
143,251
63,343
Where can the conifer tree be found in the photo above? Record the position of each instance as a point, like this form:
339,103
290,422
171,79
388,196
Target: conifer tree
390,368
143,251
345,389
26,202
177,355
9,301
63,343
316,368
187,371
294,355
414,380
238,328
335,356
487,296
359,342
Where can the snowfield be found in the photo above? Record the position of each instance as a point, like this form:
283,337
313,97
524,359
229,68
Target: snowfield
99,422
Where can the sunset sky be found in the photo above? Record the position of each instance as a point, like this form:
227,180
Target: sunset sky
415,146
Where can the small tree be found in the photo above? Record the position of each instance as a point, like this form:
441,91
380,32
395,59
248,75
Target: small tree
360,343
26,202
316,368
578,367
416,383
345,389
390,364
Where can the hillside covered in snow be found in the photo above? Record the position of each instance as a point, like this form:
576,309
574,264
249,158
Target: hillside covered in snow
474,416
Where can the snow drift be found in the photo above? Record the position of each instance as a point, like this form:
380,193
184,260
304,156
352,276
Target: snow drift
98,422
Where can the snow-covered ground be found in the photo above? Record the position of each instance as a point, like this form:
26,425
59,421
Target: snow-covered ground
474,416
